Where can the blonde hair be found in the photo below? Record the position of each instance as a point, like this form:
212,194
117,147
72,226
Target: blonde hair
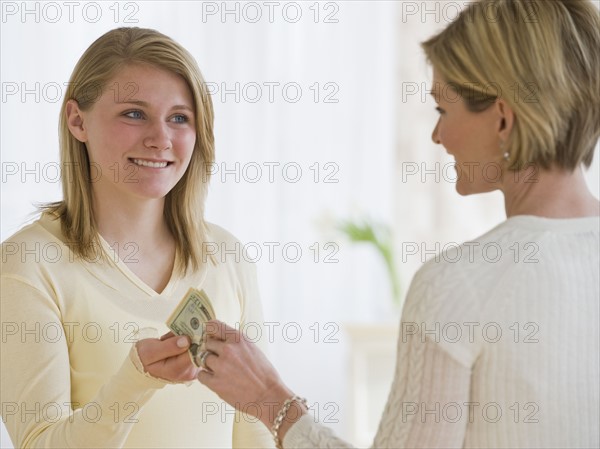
543,58
184,204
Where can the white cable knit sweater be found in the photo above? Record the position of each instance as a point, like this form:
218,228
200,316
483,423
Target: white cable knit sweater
499,345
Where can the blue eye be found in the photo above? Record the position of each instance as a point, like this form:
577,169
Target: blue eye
134,114
180,118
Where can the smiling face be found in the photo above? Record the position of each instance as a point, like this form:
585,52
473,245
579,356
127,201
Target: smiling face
140,134
472,138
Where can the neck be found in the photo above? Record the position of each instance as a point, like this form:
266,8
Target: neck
131,220
552,193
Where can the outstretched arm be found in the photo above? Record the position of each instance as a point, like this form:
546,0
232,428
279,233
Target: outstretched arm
426,377
238,371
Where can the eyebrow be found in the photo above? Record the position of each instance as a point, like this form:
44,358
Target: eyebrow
147,105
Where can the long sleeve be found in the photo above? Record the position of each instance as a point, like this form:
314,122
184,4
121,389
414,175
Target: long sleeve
490,351
67,329
426,405
249,432
37,409
420,411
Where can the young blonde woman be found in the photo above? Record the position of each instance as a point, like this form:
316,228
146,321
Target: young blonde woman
517,84
115,257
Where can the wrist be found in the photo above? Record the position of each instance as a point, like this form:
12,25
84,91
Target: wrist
272,402
290,415
281,410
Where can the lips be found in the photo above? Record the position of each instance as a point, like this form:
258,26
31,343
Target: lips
149,163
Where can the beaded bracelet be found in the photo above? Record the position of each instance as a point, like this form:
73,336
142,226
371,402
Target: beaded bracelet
281,416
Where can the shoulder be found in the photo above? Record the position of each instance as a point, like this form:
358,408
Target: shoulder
228,251
37,230
32,259
231,265
32,246
489,254
218,234
461,279
475,272
453,292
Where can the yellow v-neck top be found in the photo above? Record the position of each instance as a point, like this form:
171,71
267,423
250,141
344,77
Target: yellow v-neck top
67,328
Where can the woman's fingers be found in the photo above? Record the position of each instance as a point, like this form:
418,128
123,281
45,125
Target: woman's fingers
167,358
178,368
218,330
202,359
151,350
239,369
207,378
215,346
240,374
167,335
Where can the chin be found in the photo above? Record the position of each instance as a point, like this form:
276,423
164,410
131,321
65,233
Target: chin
152,194
154,190
462,191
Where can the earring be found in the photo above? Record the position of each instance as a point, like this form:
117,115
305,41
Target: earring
506,154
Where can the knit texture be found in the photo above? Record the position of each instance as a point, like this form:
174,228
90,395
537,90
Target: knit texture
498,346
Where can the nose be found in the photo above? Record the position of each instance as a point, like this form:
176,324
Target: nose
158,137
434,136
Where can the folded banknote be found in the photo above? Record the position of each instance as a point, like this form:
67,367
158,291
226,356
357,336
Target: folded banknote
189,318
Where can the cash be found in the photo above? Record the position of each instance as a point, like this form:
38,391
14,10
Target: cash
189,318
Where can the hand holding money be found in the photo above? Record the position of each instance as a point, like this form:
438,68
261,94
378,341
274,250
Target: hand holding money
166,358
190,318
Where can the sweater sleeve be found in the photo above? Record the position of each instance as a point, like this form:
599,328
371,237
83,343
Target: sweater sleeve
425,407
248,431
428,402
35,380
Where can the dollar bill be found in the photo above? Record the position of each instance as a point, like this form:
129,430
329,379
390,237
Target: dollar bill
189,318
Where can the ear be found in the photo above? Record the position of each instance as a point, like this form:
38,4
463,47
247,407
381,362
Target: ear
506,117
75,121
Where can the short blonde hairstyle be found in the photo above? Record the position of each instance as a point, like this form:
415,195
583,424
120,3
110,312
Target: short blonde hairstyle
184,204
543,58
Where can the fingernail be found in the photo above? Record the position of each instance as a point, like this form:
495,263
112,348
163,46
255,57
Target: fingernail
182,342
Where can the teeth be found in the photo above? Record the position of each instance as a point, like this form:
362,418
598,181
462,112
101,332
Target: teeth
151,164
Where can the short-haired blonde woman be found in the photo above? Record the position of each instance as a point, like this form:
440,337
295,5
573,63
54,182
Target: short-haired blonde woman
499,341
116,256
